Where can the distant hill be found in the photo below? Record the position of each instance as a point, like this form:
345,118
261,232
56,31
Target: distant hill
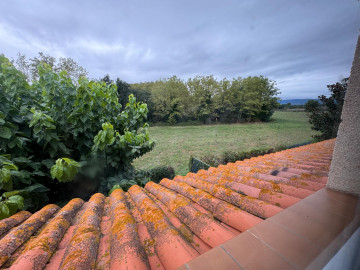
296,101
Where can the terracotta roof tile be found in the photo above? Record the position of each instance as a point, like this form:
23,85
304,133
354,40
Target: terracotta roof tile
125,241
163,226
39,250
81,250
8,223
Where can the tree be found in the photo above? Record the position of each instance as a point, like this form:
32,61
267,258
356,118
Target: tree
252,99
208,100
123,89
106,79
223,104
311,105
202,90
145,96
73,69
259,98
169,98
30,67
327,122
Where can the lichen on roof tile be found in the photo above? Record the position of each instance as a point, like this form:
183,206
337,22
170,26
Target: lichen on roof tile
163,226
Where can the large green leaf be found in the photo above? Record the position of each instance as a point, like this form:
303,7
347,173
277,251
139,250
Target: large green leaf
48,163
8,185
16,200
5,132
9,165
21,160
4,210
65,169
5,175
36,188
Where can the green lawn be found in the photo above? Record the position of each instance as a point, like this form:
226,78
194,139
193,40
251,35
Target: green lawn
175,145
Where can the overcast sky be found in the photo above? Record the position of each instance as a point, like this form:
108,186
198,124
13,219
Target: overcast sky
302,45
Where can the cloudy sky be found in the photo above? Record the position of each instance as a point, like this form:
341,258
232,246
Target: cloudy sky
302,45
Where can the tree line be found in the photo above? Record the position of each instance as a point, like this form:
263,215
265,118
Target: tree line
204,99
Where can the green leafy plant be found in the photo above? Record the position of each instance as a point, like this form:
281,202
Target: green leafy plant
13,200
60,132
118,147
9,205
105,137
65,169
196,164
9,202
125,180
6,166
158,173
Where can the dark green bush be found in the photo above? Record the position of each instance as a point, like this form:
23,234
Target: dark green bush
124,180
195,165
233,156
158,173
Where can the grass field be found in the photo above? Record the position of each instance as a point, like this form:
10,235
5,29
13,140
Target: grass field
175,145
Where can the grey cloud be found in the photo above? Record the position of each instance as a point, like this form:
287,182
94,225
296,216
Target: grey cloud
303,45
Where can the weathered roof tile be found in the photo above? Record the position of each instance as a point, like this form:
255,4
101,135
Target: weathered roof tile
10,222
19,235
165,225
39,250
82,248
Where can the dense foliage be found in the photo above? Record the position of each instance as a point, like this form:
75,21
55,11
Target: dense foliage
206,99
233,156
158,173
9,202
131,176
196,164
61,137
124,90
327,121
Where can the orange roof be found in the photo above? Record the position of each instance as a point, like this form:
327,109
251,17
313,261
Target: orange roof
164,225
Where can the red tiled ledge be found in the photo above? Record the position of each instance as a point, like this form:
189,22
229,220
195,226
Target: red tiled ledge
165,225
304,236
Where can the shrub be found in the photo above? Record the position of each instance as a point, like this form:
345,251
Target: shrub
12,200
158,173
233,156
125,180
78,131
195,165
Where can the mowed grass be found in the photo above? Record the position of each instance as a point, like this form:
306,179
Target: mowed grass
175,145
